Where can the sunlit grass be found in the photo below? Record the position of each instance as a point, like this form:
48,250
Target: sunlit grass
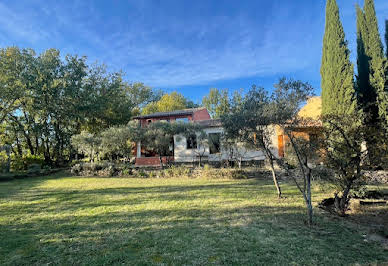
72,220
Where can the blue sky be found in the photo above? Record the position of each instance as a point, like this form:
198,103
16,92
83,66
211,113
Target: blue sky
184,45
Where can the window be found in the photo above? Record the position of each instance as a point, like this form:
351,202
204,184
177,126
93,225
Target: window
185,119
191,142
214,143
149,121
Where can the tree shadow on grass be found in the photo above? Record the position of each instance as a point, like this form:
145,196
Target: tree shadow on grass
84,227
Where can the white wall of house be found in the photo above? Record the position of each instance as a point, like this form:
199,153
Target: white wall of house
182,154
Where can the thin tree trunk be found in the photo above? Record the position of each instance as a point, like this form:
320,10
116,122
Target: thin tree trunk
161,161
275,180
271,159
308,197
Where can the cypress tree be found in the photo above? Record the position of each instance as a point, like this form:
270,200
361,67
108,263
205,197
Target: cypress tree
363,82
375,99
371,59
336,69
371,79
386,38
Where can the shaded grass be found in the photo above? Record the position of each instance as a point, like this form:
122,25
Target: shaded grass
68,220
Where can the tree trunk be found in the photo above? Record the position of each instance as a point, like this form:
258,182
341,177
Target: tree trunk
8,165
28,141
341,204
275,180
308,197
161,161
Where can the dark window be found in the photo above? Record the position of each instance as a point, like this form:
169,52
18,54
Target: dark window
214,143
149,121
191,142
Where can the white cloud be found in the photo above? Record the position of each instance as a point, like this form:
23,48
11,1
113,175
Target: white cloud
163,49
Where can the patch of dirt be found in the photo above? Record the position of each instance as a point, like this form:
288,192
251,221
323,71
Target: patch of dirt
372,217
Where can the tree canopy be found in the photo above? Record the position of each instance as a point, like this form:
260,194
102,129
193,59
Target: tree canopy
217,102
168,102
45,99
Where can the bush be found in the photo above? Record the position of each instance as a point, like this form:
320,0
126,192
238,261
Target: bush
23,163
222,173
34,169
105,169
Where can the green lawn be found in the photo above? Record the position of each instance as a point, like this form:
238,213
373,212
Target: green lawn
73,220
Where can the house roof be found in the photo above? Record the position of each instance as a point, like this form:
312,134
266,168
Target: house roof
170,113
210,123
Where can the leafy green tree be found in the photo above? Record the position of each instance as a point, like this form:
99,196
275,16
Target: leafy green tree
14,67
249,122
117,142
253,122
338,94
217,102
87,144
159,137
141,95
283,111
168,102
45,99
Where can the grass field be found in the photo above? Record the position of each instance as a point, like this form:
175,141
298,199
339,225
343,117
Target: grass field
92,221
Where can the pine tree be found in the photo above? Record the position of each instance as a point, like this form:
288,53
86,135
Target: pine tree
338,94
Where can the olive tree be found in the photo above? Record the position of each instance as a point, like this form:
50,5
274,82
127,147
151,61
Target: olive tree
249,120
117,142
159,137
283,111
87,144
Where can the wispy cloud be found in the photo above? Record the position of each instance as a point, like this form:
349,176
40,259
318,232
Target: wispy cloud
169,44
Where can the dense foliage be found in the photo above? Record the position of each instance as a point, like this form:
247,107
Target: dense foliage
45,99
371,80
217,102
168,102
338,95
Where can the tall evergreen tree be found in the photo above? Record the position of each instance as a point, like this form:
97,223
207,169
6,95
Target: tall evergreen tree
336,69
371,79
364,92
386,38
370,60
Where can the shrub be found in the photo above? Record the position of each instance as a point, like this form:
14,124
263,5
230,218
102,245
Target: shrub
23,163
34,169
96,169
222,173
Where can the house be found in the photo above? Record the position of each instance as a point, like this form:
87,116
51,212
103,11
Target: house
310,130
149,158
184,151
